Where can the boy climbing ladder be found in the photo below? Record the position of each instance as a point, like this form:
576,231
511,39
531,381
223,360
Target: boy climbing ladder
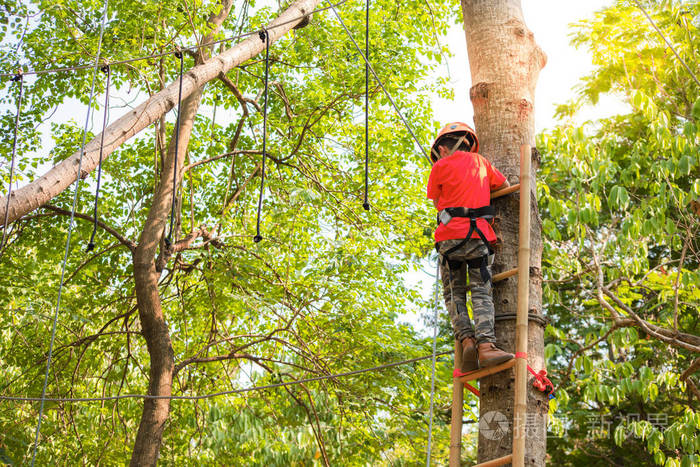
460,184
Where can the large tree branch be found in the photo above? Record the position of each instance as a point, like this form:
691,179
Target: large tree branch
57,179
678,339
673,337
186,244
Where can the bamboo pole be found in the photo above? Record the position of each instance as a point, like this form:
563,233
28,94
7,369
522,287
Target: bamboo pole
490,370
505,191
496,462
520,406
457,412
504,275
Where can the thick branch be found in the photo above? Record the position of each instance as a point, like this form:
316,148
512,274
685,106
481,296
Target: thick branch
690,370
186,244
679,339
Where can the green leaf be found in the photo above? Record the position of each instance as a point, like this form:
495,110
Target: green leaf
696,110
653,392
620,435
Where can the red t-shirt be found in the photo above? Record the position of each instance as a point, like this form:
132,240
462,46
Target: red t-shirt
464,179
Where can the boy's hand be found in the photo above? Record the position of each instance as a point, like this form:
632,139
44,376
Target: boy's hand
504,185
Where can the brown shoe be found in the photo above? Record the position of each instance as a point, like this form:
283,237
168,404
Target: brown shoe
469,360
490,355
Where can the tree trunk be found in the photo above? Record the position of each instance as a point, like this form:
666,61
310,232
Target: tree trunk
51,184
505,62
154,327
146,275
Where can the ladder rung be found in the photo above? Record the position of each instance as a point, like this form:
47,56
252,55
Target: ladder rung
504,275
495,462
505,191
500,276
487,371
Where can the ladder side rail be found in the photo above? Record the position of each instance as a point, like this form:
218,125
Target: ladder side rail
521,323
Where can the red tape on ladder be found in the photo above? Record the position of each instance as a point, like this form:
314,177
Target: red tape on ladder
541,382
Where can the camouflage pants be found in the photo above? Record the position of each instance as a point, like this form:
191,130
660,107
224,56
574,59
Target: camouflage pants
454,286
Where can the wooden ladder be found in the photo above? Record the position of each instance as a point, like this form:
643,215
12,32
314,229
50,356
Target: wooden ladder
517,457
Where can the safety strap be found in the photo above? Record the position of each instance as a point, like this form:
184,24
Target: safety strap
484,212
452,151
540,382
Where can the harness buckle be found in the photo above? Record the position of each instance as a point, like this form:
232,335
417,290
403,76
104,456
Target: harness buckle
444,217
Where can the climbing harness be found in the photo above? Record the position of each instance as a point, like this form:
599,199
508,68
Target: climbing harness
265,37
365,204
19,77
106,70
483,262
68,238
169,237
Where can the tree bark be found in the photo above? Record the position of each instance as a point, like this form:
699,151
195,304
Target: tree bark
58,178
505,62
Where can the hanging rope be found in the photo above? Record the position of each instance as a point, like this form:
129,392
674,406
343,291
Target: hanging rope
381,85
265,37
106,70
432,378
70,231
169,237
19,77
365,204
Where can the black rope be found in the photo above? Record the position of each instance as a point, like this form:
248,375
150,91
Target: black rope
265,37
169,238
365,204
19,77
381,85
106,70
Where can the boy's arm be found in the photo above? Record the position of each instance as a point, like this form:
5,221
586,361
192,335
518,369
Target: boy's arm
504,185
434,188
497,181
